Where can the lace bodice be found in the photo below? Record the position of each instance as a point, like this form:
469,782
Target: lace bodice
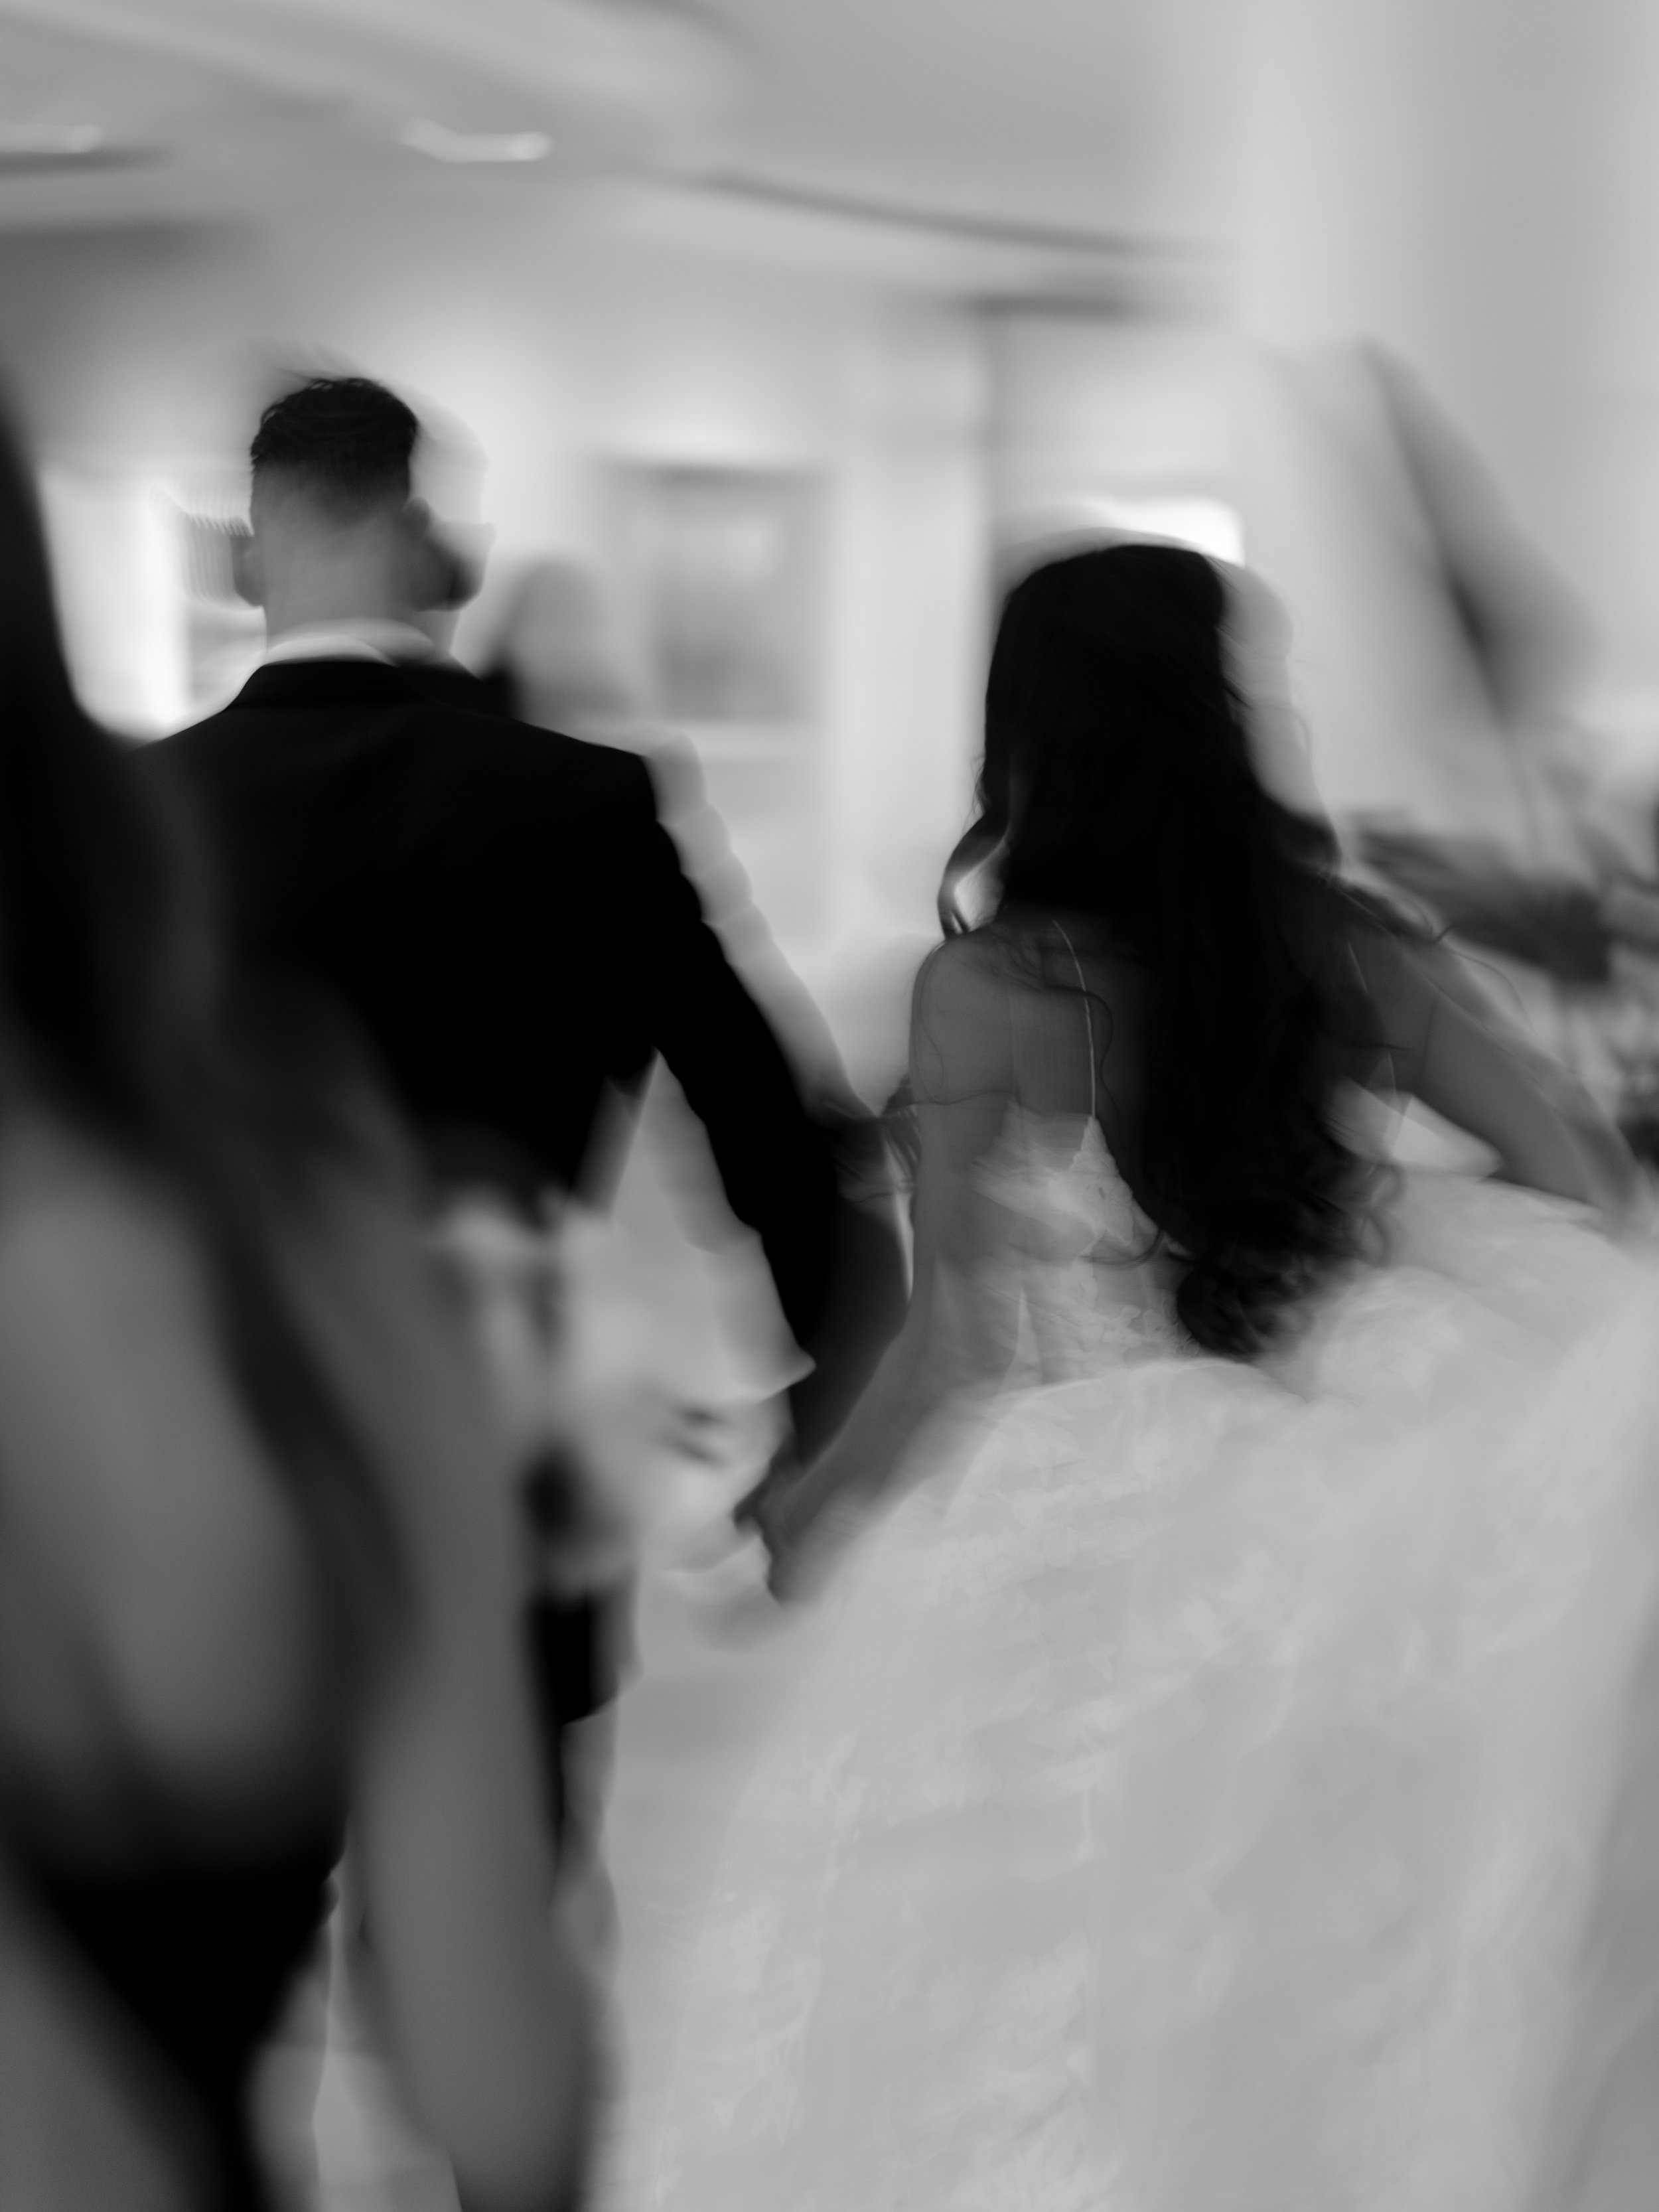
1090,1283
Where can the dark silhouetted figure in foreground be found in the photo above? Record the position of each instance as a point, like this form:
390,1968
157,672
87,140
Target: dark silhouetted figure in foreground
257,1565
498,906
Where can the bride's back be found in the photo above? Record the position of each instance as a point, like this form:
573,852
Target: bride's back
1049,1013
1195,921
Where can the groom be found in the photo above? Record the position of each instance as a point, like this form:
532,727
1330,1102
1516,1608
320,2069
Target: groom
501,910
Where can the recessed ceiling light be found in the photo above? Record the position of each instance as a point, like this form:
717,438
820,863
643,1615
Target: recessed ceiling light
443,144
58,141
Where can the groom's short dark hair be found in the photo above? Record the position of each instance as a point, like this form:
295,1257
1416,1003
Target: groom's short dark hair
345,439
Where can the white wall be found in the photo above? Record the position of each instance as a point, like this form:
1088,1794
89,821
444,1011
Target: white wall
1092,409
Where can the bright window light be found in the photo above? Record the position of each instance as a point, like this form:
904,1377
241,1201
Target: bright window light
1209,524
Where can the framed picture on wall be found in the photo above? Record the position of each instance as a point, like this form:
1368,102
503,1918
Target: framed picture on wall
719,585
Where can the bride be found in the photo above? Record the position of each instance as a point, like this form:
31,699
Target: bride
1209,1799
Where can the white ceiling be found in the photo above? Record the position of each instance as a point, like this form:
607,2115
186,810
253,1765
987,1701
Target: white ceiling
1104,117
1110,120
212,106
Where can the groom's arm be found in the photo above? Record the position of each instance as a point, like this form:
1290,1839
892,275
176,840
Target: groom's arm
837,1265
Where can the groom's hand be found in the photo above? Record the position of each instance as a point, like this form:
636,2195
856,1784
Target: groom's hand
778,1512
756,1507
805,1518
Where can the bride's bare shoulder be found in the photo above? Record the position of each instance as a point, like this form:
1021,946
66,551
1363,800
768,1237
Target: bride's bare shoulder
961,1038
971,964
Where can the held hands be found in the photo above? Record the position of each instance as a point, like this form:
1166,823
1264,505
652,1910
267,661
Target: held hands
807,1514
729,1569
765,1513
804,1517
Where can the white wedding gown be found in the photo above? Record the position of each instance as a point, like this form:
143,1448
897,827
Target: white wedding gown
1206,1800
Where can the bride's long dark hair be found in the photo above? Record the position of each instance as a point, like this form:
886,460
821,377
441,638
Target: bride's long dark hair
1118,782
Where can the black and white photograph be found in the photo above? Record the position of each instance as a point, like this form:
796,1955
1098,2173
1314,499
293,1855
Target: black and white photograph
829,1106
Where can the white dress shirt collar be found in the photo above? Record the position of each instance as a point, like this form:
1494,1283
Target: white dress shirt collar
359,637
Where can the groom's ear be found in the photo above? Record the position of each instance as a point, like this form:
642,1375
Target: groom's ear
247,572
443,575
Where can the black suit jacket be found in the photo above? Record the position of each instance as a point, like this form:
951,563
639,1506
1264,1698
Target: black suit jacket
504,914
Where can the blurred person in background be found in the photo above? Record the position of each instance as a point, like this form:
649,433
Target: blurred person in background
256,1553
1205,1788
1516,646
503,912
553,660
1445,660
